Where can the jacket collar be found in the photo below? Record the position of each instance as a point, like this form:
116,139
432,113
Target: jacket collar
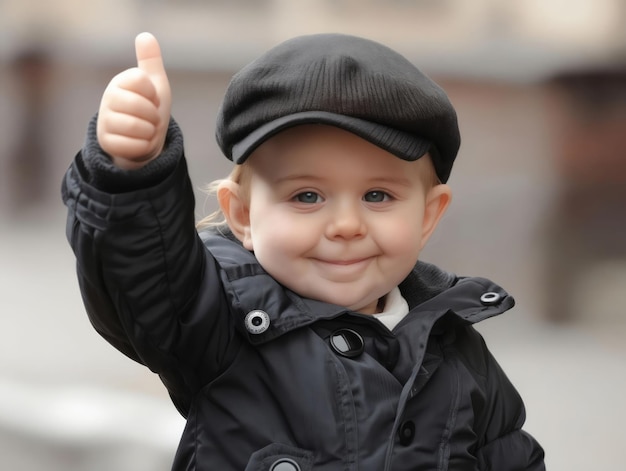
430,292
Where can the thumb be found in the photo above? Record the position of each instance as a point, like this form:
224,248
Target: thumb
149,60
148,55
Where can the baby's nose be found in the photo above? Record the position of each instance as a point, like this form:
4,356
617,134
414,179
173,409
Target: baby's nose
346,222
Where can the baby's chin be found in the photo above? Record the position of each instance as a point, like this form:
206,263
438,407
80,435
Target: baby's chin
356,297
371,307
368,305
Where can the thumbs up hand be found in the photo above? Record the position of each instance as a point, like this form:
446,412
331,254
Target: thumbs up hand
135,108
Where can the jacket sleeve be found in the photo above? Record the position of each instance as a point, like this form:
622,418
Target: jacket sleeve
149,285
503,444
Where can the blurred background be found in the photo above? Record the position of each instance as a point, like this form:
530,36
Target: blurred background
540,201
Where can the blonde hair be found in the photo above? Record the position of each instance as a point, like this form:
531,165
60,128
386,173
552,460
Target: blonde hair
429,174
241,175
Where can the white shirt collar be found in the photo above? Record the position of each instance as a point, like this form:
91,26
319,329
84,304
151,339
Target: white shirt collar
396,308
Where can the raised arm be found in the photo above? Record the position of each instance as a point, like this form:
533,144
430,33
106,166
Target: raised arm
149,285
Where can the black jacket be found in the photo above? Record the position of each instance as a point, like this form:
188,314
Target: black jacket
267,379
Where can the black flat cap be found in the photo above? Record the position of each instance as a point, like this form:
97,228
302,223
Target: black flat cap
349,82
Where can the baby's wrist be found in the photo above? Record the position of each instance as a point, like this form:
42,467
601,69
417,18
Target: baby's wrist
131,164
117,175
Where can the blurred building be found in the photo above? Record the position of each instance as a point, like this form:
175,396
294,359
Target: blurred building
508,38
587,229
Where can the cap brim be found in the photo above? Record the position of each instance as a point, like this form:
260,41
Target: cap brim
399,143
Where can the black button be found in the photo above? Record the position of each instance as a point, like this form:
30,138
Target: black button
285,464
406,433
347,343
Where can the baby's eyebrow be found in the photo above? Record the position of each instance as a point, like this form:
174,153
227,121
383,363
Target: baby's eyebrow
392,180
297,177
383,180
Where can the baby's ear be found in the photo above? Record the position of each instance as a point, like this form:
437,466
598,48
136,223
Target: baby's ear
235,210
437,201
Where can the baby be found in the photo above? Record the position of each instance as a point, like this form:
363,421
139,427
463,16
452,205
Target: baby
303,333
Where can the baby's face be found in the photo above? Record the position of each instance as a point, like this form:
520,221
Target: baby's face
335,218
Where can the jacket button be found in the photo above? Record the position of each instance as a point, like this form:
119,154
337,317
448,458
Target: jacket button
406,433
285,464
490,298
347,343
257,321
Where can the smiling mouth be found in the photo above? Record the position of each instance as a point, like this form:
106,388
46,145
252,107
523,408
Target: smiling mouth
342,271
344,262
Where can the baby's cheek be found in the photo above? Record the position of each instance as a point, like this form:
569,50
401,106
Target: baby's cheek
273,253
402,239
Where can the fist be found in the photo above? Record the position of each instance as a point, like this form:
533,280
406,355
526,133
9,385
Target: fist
135,108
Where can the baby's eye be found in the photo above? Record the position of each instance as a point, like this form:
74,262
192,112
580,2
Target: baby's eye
376,196
308,197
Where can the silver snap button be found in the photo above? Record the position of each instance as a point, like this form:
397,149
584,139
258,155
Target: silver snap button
285,464
490,298
257,321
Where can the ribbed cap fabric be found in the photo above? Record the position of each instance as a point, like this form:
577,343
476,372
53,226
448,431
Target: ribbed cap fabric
353,83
